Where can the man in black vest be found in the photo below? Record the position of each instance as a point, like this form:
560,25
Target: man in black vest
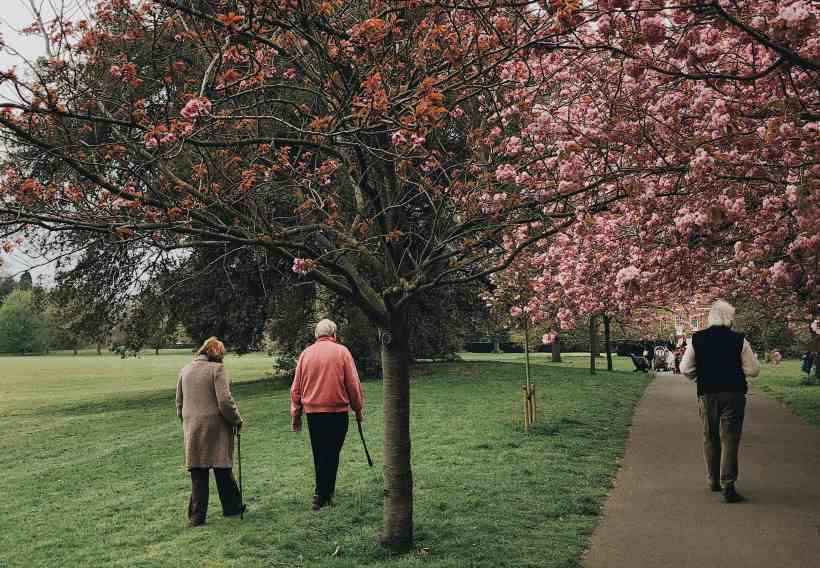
720,359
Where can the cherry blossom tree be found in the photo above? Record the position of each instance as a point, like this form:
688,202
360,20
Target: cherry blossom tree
358,140
389,148
694,129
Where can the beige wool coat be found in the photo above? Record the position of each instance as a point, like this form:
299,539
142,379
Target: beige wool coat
208,412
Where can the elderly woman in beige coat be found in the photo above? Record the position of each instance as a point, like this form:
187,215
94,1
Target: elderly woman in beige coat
209,418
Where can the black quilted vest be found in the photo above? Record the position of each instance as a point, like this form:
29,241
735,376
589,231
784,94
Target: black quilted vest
717,360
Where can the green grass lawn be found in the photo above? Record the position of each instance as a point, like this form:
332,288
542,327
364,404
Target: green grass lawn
91,453
785,383
39,381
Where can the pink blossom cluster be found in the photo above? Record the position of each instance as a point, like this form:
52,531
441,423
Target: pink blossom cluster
627,276
197,106
301,266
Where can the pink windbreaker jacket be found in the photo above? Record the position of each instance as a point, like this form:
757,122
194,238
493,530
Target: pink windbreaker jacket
326,380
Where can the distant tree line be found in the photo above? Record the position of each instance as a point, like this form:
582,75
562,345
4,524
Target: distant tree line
110,298
106,301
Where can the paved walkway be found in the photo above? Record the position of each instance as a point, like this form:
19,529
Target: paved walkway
661,514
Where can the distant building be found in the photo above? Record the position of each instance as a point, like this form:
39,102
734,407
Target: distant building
689,319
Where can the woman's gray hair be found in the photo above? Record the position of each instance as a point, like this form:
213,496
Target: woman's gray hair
721,313
325,328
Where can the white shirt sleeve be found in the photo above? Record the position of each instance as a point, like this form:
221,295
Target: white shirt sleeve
751,367
687,362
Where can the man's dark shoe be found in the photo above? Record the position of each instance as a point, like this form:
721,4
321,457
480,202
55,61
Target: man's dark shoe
730,495
193,523
319,502
715,486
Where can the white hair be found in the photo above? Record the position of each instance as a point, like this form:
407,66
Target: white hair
325,328
721,313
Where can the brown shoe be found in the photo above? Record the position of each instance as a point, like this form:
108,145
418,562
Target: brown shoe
193,523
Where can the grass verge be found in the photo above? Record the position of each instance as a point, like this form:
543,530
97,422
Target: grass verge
786,383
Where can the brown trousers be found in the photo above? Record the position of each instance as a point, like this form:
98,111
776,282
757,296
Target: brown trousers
722,415
225,485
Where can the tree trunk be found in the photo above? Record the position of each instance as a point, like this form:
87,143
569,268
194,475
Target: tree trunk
607,343
556,350
397,533
593,344
156,350
75,351
99,348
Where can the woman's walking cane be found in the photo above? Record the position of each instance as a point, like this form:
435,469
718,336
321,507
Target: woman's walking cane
239,459
364,444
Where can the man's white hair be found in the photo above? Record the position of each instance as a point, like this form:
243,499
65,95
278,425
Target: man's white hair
721,313
325,328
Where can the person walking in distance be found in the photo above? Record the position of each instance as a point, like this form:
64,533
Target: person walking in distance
720,360
209,419
326,387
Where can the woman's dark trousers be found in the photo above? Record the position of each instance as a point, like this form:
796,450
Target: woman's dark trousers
327,436
225,485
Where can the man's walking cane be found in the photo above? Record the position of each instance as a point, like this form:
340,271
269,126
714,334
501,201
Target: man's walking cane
364,444
239,459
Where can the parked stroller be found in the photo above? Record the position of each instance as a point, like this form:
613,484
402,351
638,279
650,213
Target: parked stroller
662,359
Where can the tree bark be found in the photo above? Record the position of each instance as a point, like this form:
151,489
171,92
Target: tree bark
556,350
593,344
397,533
99,348
607,343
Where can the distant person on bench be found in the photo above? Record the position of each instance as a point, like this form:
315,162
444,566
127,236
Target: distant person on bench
649,353
639,362
720,359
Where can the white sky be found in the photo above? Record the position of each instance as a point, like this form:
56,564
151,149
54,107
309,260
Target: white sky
14,16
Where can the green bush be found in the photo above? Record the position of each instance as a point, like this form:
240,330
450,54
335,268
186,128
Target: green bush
22,330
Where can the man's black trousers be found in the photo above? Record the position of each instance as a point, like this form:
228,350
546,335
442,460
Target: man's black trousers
327,436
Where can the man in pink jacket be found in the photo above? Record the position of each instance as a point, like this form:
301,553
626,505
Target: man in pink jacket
326,386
